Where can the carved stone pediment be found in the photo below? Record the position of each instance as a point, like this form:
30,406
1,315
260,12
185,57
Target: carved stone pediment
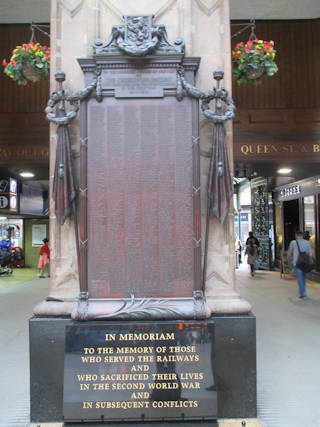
138,37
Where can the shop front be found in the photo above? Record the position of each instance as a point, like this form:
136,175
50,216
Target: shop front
23,220
297,208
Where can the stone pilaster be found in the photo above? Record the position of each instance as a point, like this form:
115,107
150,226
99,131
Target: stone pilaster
205,27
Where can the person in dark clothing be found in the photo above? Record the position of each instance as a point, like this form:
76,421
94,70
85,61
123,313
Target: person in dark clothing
255,240
306,235
239,250
251,252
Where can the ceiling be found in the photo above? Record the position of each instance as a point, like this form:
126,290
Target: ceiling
24,11
27,11
299,170
274,9
40,171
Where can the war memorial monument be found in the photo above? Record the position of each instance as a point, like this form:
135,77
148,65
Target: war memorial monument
132,330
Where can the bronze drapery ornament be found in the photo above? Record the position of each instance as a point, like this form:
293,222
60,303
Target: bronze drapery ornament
64,189
219,187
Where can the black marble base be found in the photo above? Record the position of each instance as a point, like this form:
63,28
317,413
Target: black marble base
139,371
236,376
153,424
235,368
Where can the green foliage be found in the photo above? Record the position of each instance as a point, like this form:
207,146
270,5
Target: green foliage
253,60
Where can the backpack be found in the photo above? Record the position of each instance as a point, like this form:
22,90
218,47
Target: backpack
304,261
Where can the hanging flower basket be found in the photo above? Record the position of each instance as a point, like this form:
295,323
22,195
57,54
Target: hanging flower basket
28,62
253,61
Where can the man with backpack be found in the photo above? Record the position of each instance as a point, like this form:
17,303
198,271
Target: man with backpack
297,247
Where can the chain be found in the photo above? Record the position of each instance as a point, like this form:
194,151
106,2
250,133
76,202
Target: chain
251,24
34,27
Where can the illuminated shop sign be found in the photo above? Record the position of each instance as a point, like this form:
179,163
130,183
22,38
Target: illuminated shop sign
290,191
13,186
8,194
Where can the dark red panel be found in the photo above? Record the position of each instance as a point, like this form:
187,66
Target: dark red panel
140,204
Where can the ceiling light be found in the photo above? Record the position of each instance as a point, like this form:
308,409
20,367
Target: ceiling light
284,170
27,174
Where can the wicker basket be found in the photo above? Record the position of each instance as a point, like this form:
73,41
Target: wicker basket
31,73
255,74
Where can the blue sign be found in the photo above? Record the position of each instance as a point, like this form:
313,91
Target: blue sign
244,217
13,186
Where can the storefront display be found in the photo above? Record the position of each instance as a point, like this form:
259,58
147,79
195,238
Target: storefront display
297,208
13,228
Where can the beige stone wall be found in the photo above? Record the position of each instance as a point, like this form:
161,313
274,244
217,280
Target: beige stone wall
204,25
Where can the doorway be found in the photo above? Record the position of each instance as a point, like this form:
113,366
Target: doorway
290,220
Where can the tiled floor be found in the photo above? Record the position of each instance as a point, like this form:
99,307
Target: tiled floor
288,348
239,423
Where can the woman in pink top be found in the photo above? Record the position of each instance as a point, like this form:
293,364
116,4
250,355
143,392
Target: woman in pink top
44,258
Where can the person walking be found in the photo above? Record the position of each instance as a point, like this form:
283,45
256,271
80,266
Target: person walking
251,236
299,245
5,244
251,251
44,258
238,248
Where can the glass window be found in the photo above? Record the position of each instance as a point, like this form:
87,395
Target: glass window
16,232
309,223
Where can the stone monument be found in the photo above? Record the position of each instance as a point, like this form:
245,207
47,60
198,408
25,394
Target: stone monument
144,243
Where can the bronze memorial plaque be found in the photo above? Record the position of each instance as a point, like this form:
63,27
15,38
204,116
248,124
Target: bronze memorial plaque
139,223
140,83
140,198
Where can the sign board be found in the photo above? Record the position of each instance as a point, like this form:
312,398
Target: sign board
139,371
139,83
9,194
243,217
39,232
266,151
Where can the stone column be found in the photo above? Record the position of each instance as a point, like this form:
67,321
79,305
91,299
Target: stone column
205,27
211,40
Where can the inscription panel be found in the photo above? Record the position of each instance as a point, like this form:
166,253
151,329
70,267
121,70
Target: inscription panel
140,371
140,203
139,83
